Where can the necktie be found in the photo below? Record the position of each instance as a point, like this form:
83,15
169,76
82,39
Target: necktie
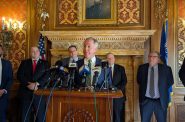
89,76
110,75
34,65
152,90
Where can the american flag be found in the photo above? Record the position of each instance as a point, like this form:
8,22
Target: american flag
41,47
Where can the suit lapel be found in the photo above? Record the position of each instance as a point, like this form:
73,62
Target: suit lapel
159,72
146,72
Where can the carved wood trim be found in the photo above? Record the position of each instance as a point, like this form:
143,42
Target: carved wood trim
119,42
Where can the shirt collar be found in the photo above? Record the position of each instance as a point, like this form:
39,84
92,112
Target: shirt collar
93,60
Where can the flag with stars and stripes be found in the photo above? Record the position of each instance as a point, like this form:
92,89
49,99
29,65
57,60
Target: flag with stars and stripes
164,53
41,47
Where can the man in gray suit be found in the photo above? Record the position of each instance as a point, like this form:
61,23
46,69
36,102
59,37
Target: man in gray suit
73,57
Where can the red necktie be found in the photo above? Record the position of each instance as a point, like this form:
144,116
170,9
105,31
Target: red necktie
34,65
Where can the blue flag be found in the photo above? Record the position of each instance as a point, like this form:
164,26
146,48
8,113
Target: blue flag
41,47
164,53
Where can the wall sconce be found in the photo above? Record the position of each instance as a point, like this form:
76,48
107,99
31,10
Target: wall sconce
6,35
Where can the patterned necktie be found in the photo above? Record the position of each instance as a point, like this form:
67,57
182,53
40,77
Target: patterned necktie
34,65
152,90
89,76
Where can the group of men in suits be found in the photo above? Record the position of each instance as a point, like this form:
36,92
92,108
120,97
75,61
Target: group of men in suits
153,78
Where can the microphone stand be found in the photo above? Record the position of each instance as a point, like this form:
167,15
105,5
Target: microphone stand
71,79
105,84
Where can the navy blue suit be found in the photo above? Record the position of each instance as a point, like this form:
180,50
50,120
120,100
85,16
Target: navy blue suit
119,81
6,81
165,80
24,75
78,78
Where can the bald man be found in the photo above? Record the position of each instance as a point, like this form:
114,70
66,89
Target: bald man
30,74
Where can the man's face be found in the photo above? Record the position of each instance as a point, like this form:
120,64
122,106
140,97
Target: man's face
73,52
89,49
35,54
153,59
110,59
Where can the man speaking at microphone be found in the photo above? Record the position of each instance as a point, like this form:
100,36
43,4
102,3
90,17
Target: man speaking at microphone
90,46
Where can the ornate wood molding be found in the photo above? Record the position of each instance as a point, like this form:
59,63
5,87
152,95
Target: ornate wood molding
119,42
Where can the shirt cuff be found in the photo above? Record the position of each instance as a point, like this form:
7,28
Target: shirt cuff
5,91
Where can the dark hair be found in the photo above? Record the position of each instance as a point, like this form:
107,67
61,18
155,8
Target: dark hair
72,46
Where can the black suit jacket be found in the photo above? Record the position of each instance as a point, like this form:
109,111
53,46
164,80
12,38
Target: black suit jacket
182,73
7,75
119,78
64,62
25,73
78,78
165,81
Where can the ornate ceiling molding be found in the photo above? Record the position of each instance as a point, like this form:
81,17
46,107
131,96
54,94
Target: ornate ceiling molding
119,42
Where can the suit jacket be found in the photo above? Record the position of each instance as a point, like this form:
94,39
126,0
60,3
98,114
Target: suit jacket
182,73
78,78
7,75
164,82
119,79
64,62
25,74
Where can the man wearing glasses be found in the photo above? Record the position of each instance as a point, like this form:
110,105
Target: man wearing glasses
154,80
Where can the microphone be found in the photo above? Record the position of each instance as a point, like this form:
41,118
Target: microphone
97,69
54,67
97,72
72,66
61,68
84,70
104,64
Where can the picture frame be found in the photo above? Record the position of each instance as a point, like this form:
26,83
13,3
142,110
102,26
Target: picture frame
97,12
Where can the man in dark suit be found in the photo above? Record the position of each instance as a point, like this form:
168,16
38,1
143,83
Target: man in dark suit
90,60
117,79
31,77
182,74
154,80
73,57
6,79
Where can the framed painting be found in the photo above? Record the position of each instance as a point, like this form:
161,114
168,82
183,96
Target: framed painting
97,12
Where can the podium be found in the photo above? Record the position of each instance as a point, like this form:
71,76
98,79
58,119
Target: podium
80,105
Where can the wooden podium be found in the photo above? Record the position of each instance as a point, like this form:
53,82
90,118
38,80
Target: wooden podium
80,106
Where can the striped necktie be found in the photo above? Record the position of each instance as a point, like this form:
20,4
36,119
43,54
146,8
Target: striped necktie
88,80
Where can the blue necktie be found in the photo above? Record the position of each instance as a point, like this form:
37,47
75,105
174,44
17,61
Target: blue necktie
110,76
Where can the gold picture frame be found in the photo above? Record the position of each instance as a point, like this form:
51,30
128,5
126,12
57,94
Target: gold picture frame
97,12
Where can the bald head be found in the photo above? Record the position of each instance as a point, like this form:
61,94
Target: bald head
35,53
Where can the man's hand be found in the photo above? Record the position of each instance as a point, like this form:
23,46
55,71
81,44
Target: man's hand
32,86
1,92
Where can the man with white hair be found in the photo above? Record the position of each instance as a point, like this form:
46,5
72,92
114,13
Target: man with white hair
90,47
